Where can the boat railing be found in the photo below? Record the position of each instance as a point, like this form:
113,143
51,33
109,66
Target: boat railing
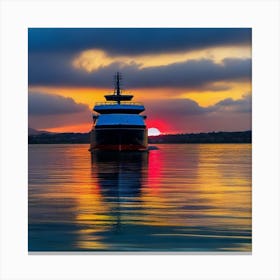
116,103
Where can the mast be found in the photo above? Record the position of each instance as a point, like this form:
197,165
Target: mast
117,83
117,95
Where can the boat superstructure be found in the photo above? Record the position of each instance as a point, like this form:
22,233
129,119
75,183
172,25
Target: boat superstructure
118,124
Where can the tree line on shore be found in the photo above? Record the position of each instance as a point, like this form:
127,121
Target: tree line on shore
210,137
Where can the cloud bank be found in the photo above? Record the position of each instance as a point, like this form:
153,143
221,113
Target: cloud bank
192,74
131,41
50,104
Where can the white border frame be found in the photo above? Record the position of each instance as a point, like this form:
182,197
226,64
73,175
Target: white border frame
262,16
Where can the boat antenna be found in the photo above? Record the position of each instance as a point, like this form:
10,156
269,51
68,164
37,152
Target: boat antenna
118,78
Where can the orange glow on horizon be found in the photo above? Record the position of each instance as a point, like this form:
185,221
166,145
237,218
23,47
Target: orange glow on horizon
79,128
148,97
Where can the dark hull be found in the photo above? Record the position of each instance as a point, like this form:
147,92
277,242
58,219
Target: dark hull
119,139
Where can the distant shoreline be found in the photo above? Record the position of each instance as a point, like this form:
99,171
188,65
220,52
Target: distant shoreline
241,137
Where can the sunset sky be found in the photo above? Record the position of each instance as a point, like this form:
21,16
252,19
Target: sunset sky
189,79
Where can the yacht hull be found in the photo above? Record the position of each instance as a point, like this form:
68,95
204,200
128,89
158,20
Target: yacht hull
119,139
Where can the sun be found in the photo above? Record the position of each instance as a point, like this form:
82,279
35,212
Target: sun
153,131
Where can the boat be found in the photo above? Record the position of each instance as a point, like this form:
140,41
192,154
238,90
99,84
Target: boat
118,124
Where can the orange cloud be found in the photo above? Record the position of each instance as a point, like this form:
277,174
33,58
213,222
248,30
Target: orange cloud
94,59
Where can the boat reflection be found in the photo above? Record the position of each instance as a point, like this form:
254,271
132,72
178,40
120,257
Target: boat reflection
120,174
120,177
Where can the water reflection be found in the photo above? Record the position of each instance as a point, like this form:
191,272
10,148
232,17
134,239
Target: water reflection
120,177
177,198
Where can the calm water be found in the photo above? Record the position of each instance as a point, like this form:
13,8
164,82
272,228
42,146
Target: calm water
186,197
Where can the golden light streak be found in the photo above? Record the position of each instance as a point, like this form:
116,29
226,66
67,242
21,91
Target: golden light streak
209,98
90,96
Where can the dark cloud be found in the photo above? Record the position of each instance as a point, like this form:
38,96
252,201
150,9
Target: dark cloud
128,41
51,111
243,105
189,107
174,108
41,104
190,74
57,70
186,115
